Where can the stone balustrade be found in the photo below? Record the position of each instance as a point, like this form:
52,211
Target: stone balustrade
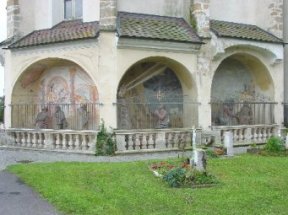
146,140
56,140
243,135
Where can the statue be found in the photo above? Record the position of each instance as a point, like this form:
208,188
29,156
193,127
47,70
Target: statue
83,117
228,117
42,119
60,118
244,116
163,117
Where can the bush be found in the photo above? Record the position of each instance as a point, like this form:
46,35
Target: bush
274,144
105,144
175,177
186,176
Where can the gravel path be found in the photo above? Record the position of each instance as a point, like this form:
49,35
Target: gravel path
13,156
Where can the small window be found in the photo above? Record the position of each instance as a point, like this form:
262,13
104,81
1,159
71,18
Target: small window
73,9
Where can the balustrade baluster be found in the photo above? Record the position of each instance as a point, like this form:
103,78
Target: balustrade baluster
64,141
154,137
264,135
77,141
57,142
129,142
172,140
70,142
29,139
141,143
137,141
84,145
241,135
34,139
41,139
167,134
133,141
24,139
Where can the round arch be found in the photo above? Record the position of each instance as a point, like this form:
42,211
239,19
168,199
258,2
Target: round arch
152,85
241,81
53,82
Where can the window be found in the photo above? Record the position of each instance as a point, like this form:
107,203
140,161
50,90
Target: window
72,9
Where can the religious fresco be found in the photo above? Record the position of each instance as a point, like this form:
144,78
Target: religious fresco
243,103
66,87
150,96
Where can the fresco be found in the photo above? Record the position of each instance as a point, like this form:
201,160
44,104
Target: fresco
237,99
68,87
150,96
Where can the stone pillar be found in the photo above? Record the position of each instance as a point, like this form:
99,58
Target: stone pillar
199,160
200,13
13,18
228,143
108,14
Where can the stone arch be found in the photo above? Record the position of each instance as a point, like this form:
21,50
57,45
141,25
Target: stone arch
153,82
242,79
55,82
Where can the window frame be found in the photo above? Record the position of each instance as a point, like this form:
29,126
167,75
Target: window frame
73,10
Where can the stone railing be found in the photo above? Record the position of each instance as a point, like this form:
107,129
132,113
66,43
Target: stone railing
243,135
56,140
147,140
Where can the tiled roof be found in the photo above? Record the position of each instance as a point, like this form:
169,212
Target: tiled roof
242,31
64,31
8,41
145,26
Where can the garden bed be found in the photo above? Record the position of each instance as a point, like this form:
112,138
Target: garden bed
182,174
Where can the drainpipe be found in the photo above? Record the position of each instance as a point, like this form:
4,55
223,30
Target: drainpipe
285,39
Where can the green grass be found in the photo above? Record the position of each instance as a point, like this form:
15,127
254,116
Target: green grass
249,185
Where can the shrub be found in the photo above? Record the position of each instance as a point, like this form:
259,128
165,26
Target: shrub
175,177
274,144
186,176
105,144
211,154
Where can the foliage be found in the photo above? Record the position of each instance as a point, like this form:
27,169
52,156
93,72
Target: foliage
249,185
175,177
181,174
211,154
105,144
274,144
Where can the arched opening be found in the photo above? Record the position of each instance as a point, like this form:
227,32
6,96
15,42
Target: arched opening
55,94
156,93
242,92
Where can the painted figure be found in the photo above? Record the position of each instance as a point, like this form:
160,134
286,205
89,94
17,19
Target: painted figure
42,119
83,117
163,117
60,118
244,116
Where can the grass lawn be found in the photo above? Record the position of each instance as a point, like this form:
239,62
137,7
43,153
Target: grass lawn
249,185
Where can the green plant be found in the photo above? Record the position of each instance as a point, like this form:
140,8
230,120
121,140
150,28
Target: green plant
2,109
175,177
211,154
274,144
105,144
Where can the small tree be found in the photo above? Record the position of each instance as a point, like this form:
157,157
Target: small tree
105,144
